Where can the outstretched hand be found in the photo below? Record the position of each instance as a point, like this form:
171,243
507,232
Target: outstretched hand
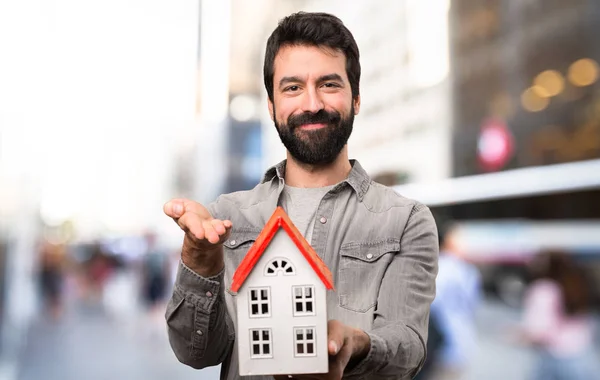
202,249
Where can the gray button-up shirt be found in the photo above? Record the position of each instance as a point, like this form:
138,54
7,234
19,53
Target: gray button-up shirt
381,248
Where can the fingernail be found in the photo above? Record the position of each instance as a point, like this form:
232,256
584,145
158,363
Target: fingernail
177,209
333,346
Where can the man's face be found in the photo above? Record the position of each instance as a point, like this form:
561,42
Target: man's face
312,107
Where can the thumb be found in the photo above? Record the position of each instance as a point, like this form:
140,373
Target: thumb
174,208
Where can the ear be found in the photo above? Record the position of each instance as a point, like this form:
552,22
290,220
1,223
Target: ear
356,104
271,111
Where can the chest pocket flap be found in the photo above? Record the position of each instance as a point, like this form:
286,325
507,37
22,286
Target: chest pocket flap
369,251
241,239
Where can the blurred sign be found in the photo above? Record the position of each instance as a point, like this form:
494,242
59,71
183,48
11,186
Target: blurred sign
495,145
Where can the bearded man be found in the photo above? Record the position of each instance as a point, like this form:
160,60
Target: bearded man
381,247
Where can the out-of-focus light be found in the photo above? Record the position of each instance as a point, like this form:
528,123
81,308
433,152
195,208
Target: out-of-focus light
583,72
243,107
532,102
540,91
549,83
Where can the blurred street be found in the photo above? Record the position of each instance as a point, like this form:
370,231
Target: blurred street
88,344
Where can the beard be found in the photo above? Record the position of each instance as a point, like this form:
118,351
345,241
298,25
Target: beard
317,147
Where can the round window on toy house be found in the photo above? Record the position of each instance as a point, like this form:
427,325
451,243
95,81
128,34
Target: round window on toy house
280,265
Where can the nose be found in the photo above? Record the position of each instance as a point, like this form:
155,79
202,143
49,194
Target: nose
312,101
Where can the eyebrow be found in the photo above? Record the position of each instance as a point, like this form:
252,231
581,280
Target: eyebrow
296,79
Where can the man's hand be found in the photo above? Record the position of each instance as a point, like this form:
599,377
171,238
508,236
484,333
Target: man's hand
202,249
346,346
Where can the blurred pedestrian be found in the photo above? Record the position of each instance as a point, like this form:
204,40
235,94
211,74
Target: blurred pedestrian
155,278
51,278
557,320
452,337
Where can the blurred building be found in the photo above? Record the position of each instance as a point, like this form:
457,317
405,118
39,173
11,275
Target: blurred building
525,83
525,134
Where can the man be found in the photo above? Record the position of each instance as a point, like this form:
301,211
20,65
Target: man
381,248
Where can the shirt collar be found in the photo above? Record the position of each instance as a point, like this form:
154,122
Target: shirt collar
358,178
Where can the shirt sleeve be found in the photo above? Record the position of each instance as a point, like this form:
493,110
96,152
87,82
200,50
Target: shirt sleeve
201,332
399,334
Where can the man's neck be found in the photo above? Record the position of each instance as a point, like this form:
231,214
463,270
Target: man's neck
298,174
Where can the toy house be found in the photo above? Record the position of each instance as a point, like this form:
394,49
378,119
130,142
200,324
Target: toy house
281,286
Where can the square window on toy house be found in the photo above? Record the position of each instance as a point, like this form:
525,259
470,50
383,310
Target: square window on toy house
304,341
303,300
261,343
259,301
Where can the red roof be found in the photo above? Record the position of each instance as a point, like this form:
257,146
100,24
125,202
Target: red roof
280,219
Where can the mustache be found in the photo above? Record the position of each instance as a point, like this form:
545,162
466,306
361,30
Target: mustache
320,117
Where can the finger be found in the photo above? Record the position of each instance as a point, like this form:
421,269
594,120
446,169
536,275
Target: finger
335,336
219,226
192,225
175,208
209,232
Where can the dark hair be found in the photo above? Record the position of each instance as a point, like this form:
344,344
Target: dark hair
573,282
313,29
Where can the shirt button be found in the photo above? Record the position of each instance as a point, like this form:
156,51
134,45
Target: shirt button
232,242
199,332
369,256
208,294
323,220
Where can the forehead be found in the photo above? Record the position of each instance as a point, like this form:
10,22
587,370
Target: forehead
308,61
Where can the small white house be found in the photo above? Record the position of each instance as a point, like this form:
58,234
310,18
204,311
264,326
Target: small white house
281,311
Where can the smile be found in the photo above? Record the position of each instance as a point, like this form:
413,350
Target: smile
312,126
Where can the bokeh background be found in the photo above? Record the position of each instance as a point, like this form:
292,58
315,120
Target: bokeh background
488,111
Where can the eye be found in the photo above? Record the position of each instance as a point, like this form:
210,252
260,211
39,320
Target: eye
291,88
331,85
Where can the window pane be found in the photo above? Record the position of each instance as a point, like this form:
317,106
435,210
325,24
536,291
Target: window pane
266,349
264,308
299,335
283,263
309,306
253,295
275,264
299,306
309,334
309,348
289,270
270,270
264,294
256,349
300,348
308,292
254,309
255,336
298,292
265,334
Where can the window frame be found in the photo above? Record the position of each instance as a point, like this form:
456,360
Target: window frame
304,301
280,269
261,342
259,301
305,342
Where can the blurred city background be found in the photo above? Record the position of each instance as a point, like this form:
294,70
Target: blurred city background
488,111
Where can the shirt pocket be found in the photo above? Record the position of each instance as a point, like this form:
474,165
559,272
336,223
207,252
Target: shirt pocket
236,248
361,270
